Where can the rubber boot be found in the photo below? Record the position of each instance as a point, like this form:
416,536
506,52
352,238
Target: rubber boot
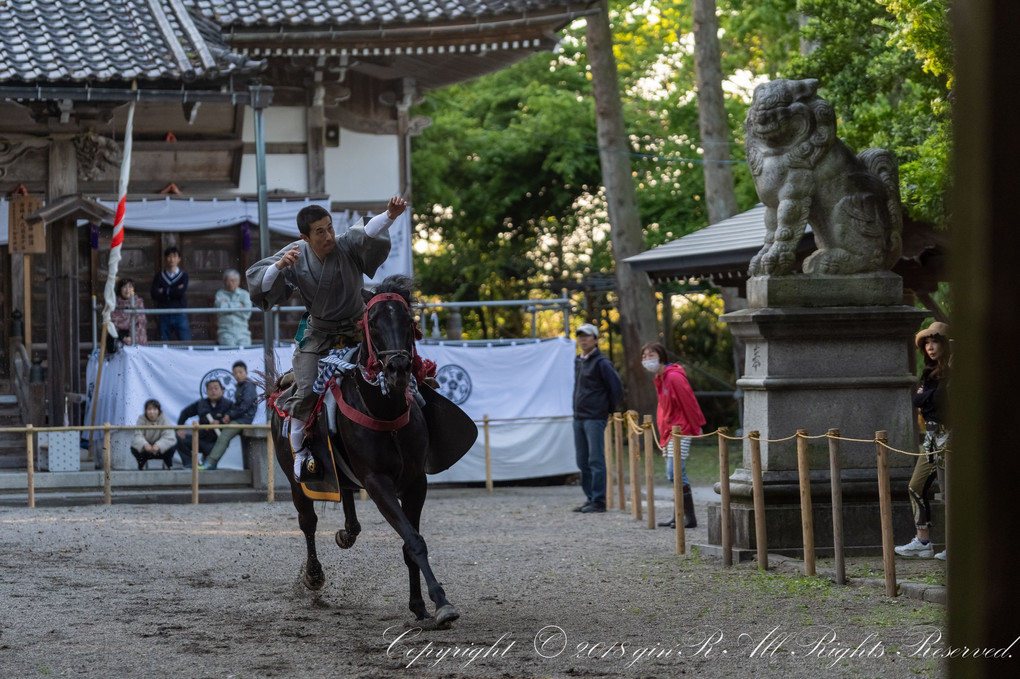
690,521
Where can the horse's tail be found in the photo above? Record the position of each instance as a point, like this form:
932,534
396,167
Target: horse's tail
269,383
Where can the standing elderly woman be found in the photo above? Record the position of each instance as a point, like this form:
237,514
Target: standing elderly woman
932,400
232,328
677,407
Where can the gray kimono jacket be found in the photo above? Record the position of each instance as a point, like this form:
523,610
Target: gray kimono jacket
330,290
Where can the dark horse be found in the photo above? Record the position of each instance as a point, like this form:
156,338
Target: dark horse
389,460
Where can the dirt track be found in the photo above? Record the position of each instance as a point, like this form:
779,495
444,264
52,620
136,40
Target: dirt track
210,591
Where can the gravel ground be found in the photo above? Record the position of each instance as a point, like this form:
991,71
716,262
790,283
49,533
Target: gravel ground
210,591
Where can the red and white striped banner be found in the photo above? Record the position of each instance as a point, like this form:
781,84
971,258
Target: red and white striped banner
109,292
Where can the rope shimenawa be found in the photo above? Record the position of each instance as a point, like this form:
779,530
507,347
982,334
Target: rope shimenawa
637,428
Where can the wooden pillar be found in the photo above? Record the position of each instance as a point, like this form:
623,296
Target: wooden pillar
315,130
63,363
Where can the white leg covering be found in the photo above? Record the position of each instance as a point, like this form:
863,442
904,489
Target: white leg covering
297,442
297,433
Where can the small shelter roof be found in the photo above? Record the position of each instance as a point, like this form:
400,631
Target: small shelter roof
71,208
722,251
78,41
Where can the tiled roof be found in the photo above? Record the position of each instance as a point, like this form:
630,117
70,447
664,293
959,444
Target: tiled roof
47,41
352,13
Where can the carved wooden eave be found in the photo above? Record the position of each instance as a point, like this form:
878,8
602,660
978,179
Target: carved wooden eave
434,53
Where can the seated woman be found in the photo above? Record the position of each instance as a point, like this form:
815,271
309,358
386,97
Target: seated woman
127,299
153,444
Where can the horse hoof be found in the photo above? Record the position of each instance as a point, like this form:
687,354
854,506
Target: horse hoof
312,581
446,615
344,539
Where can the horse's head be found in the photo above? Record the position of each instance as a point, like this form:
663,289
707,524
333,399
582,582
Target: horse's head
389,332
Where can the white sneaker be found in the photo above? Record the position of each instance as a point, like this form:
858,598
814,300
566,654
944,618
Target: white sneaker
941,556
299,462
916,548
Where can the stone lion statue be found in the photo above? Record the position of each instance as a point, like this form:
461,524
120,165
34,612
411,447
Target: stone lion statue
805,175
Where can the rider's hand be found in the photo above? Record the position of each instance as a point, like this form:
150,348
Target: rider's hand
395,207
289,258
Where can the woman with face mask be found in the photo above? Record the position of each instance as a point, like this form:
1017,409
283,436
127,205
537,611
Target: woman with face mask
677,407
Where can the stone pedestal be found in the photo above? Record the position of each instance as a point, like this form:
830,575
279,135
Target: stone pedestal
824,352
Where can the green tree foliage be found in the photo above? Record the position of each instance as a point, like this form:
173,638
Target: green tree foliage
884,65
506,179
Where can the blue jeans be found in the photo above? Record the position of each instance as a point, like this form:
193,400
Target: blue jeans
174,323
685,450
590,447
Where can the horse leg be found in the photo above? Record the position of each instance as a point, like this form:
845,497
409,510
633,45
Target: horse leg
405,520
312,575
346,536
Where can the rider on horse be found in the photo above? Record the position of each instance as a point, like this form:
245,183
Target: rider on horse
327,270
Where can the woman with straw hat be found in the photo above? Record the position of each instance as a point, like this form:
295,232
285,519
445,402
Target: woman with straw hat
931,399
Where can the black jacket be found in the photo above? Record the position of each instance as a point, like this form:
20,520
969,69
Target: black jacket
597,387
243,410
931,398
207,413
170,293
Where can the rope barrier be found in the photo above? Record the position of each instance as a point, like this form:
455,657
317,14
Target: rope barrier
634,427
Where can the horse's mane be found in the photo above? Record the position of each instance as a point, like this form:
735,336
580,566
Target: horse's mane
399,284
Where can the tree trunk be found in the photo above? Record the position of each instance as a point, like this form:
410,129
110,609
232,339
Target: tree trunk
634,291
720,198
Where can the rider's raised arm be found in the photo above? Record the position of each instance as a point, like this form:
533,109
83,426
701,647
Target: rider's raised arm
266,285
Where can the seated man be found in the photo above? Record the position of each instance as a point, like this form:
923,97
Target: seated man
208,410
328,273
242,412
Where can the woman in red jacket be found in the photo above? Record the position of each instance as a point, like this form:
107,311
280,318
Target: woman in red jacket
677,407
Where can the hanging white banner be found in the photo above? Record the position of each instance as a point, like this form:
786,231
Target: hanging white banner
531,382
175,378
201,214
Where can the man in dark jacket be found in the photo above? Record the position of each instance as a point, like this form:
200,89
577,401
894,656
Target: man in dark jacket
242,412
169,291
209,410
597,390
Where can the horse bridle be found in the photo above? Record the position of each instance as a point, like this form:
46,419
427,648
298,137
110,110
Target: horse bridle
382,358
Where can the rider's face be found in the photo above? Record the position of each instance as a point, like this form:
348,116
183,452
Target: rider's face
321,237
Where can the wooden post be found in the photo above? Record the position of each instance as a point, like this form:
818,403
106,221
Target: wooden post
107,463
618,435
271,467
835,479
633,454
885,507
724,493
610,470
806,521
649,470
488,455
758,489
194,464
28,303
95,389
678,496
30,455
